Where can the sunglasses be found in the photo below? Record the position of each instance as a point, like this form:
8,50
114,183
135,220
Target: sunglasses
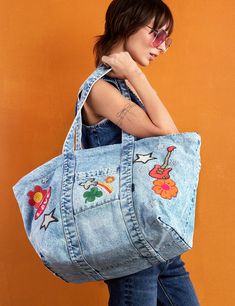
160,37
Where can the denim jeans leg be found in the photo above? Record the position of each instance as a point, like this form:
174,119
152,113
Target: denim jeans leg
138,289
165,284
175,287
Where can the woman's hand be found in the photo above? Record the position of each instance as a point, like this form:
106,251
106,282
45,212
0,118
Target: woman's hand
122,65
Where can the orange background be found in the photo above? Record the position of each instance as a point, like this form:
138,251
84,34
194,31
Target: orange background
45,55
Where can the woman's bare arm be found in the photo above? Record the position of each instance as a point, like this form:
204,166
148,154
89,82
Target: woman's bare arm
155,109
124,67
107,101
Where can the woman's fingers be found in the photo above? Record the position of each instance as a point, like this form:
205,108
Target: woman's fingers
104,59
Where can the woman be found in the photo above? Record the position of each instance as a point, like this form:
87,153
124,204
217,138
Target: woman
136,32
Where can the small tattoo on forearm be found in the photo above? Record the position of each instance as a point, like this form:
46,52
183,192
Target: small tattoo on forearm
124,111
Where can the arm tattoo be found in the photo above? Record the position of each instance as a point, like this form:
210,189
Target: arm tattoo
124,111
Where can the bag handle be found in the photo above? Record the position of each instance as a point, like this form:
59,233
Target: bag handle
76,126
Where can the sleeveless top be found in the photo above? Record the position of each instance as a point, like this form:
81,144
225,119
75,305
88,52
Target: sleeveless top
105,132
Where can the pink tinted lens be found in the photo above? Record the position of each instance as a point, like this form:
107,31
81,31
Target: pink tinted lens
159,39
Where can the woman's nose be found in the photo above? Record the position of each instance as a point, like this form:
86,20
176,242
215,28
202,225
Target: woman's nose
162,48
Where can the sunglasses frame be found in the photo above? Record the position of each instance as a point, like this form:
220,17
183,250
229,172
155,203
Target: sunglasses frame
166,39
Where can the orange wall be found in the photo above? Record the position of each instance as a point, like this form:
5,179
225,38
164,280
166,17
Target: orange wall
45,55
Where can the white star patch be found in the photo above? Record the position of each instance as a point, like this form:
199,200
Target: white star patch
144,158
47,219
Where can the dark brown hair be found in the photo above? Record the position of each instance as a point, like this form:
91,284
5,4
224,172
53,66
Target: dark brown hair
124,17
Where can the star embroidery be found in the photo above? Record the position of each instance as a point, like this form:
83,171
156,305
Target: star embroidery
144,158
161,146
152,203
48,218
45,179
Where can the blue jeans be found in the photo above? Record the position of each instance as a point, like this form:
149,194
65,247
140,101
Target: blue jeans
165,284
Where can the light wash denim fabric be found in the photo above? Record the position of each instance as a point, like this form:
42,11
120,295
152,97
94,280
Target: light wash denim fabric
164,284
112,210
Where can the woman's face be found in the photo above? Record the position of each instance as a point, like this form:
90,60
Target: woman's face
139,45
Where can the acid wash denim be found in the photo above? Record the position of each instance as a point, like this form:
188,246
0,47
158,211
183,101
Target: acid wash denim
163,284
110,208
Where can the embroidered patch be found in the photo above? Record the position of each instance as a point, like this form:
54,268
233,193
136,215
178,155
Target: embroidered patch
163,185
96,192
91,195
39,199
165,188
90,182
144,158
109,179
48,219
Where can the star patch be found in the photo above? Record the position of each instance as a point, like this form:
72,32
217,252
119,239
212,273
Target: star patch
47,219
144,158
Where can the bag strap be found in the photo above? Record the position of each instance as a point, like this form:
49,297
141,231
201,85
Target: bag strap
107,78
77,122
127,144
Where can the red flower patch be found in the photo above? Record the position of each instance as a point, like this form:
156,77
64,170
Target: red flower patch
39,199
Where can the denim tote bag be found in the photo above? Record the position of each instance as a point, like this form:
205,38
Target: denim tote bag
114,210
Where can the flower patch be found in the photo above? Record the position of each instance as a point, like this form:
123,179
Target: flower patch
39,199
164,186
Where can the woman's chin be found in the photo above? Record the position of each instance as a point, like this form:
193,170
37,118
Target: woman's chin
144,62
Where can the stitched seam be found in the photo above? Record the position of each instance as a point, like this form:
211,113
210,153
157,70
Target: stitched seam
164,290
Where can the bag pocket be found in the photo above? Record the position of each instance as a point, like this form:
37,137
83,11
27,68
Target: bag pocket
94,188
